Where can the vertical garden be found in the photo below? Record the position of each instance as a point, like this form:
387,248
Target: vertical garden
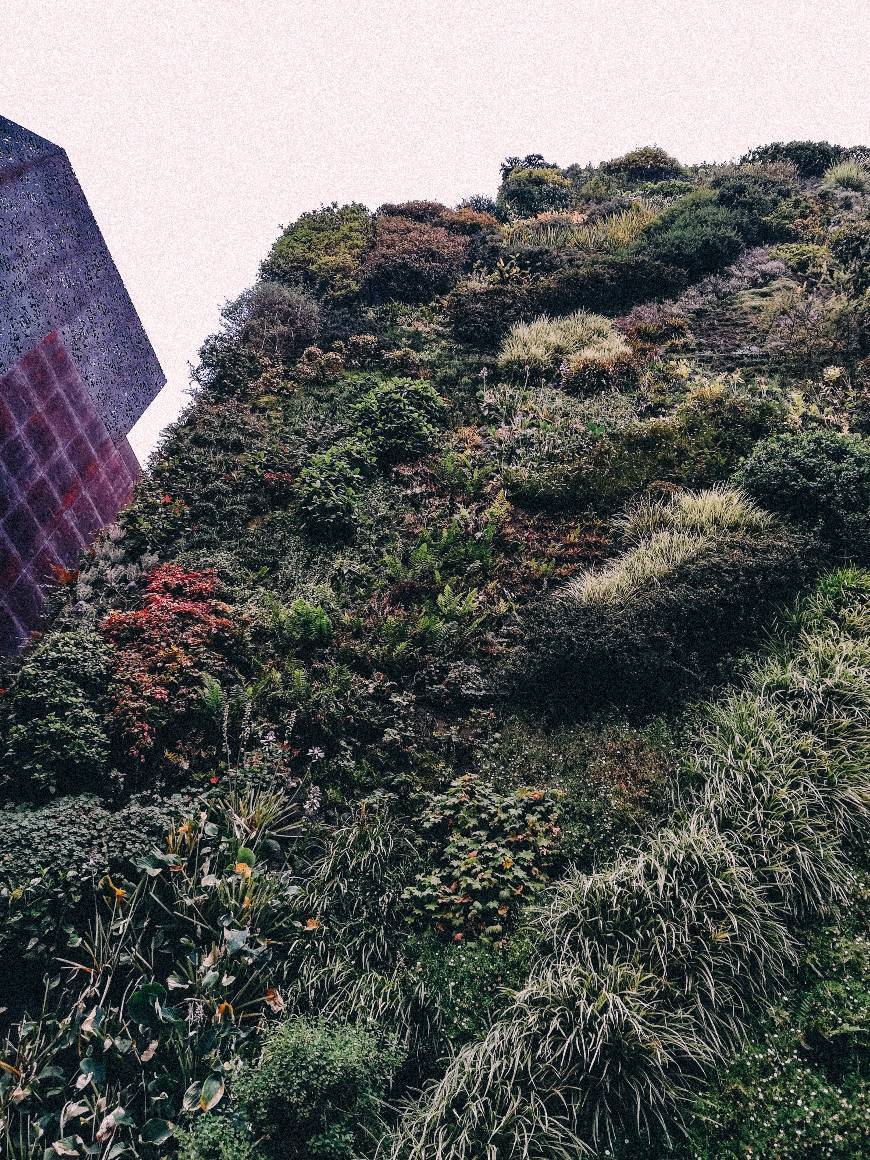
460,746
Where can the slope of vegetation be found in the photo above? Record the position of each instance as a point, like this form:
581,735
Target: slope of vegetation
460,746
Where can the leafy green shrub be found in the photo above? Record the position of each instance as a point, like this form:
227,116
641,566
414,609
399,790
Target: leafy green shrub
329,487
799,1089
810,158
227,367
649,163
482,310
850,245
412,261
715,425
315,1092
696,234
462,550
612,779
50,858
803,257
531,186
670,187
399,417
774,1103
753,194
479,203
611,283
54,736
702,574
217,1137
817,478
467,979
487,855
322,250
275,320
81,834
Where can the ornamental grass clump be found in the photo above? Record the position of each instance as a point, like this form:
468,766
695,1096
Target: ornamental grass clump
349,951
649,973
700,574
571,231
659,554
847,175
580,346
699,513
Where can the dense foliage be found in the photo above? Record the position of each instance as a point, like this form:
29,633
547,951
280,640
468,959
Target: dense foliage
459,746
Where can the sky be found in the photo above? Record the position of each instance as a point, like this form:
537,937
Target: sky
197,128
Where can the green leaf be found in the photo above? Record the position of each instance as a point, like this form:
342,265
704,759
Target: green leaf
94,1068
51,1072
142,1003
235,939
68,1146
156,1131
191,1097
247,856
212,1093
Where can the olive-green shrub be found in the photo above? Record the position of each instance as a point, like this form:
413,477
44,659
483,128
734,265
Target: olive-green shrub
329,487
316,1091
820,479
399,417
53,735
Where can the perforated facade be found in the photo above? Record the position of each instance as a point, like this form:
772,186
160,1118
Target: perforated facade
76,372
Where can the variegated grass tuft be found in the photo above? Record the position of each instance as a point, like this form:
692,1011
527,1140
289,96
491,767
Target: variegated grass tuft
544,343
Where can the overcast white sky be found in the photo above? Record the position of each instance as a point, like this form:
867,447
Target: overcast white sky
198,127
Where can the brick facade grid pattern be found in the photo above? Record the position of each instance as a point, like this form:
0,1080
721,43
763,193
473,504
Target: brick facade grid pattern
62,478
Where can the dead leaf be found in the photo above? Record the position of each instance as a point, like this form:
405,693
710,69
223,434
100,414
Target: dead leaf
273,1000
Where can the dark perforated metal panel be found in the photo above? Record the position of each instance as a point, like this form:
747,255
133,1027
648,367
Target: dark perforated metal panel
56,274
76,372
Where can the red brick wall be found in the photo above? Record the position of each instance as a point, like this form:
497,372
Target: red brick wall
61,480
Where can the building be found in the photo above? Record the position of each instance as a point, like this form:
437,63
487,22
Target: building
76,372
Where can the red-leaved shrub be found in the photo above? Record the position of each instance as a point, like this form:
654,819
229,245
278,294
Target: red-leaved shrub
412,260
163,649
